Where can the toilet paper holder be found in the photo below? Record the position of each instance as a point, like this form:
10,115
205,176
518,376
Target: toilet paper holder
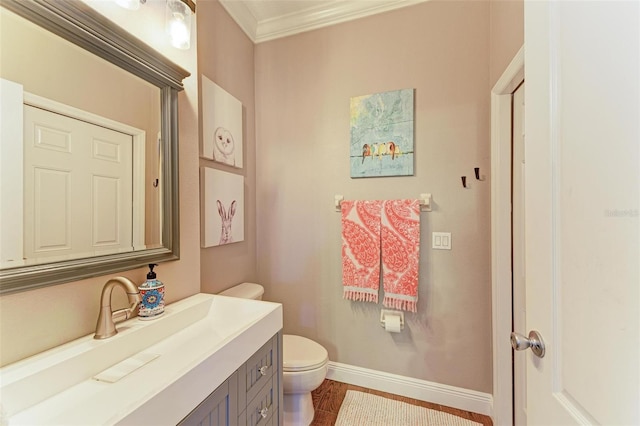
385,312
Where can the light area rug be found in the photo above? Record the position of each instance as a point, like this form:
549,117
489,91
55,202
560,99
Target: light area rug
359,408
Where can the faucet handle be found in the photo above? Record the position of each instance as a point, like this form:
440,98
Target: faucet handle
126,313
122,314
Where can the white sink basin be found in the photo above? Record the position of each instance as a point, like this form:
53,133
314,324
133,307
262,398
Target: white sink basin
200,341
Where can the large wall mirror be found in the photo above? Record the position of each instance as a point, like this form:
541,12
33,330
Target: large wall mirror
88,155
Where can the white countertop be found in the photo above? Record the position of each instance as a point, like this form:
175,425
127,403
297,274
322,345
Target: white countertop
193,361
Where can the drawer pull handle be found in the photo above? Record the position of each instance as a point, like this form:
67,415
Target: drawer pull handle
263,370
264,412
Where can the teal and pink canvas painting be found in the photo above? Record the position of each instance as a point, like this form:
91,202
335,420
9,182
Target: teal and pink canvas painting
382,134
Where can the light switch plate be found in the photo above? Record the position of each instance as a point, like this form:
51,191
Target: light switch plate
441,240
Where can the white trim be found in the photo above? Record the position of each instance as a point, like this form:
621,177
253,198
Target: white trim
138,192
324,15
11,174
69,111
451,396
139,149
240,12
501,237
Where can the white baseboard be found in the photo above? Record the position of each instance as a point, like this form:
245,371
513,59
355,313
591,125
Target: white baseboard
451,396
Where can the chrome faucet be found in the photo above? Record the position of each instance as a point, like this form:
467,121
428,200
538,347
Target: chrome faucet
106,326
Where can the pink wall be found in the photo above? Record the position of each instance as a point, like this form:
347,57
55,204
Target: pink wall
506,34
303,86
226,57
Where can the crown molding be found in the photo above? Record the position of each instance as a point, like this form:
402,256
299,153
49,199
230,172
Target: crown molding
240,13
308,19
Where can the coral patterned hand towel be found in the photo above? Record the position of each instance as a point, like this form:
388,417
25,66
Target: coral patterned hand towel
400,253
361,249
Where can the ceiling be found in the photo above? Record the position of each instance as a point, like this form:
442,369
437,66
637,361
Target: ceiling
264,20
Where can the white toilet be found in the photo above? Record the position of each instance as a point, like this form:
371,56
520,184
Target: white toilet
305,365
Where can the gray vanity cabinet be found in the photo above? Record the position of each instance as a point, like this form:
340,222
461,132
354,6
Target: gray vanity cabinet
218,409
251,396
258,386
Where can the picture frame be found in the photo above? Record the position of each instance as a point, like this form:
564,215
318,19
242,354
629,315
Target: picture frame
382,134
222,207
222,125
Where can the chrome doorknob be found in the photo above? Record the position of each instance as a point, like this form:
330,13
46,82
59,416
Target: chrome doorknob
535,342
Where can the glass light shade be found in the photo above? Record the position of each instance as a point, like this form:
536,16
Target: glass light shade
129,4
178,23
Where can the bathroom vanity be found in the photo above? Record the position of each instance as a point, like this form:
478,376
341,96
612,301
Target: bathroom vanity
208,357
251,396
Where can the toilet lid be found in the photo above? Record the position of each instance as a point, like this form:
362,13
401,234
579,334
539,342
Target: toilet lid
300,354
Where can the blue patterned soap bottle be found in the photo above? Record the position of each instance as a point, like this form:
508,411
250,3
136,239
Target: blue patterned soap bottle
152,293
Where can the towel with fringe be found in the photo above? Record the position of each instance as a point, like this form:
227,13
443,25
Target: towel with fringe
361,249
400,236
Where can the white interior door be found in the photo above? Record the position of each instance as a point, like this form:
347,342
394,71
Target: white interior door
518,251
78,187
582,211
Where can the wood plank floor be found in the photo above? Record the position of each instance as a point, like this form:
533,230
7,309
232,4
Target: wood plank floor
328,398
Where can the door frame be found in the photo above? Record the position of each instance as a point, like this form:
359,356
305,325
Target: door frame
501,243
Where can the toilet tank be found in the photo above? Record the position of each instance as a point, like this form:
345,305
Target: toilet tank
245,291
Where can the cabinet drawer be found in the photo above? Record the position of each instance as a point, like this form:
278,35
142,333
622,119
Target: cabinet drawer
261,409
259,368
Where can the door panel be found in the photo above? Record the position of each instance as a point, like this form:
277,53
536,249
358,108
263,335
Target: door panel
106,207
582,209
78,187
51,218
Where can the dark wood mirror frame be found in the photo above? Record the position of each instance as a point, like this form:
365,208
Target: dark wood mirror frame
81,25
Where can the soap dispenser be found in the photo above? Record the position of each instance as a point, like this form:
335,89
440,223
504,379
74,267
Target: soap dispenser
152,293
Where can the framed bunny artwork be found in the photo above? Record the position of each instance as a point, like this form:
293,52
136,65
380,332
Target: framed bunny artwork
221,125
222,207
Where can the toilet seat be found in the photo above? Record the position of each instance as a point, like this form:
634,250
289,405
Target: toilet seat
302,354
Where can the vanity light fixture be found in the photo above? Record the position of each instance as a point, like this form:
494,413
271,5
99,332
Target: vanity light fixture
177,19
178,22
